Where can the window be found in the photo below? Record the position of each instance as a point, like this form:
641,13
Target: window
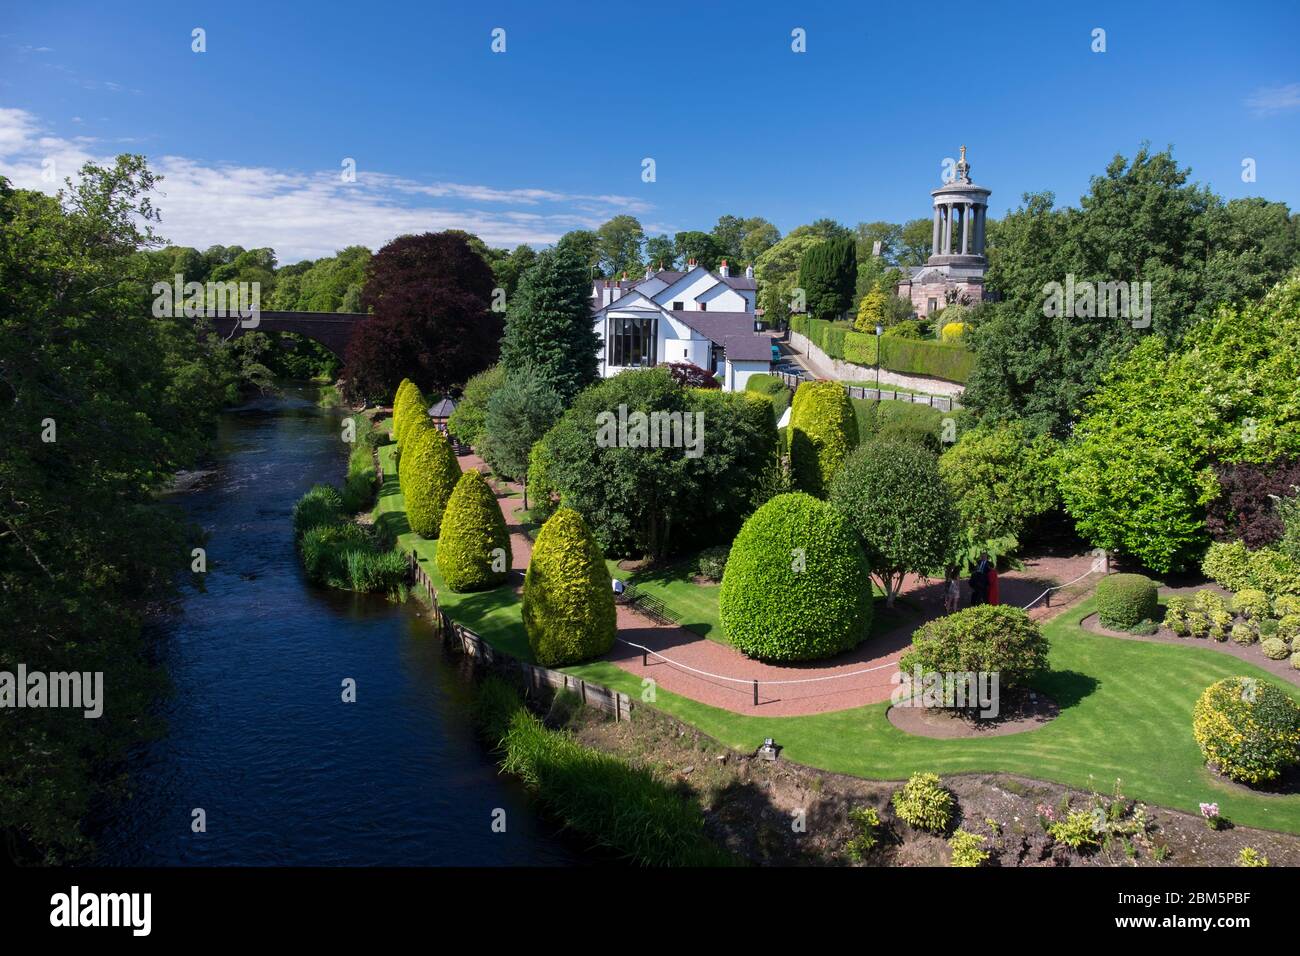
679,306
704,306
633,341
931,306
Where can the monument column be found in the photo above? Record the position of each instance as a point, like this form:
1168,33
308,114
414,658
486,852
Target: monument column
934,241
966,224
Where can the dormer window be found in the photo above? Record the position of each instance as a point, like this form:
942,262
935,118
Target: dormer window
704,306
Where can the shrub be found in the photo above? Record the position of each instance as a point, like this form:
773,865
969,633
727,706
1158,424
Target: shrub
773,389
712,562
797,585
1274,648
892,496
1126,600
1249,856
951,361
1286,604
598,795
1295,660
1209,602
952,331
867,821
473,543
409,405
321,505
924,803
1250,603
1228,563
1288,628
990,638
1273,572
1198,624
907,329
1001,479
1244,507
1078,830
1248,729
568,606
1176,611
1268,628
495,705
860,348
428,472
325,549
967,849
1220,624
1243,634
823,432
469,419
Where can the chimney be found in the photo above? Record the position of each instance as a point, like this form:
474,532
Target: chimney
749,272
648,271
724,270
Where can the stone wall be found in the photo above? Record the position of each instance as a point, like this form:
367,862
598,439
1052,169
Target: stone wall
827,367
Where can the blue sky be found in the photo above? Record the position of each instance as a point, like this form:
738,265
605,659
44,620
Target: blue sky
551,134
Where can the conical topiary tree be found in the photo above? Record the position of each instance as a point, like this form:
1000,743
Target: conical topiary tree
473,543
428,472
568,599
823,430
413,407
399,399
797,585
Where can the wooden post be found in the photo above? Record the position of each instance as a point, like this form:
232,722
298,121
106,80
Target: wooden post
755,693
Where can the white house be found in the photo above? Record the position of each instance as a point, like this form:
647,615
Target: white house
706,318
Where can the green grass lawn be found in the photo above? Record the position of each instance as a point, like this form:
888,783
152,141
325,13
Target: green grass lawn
1126,713
493,615
1126,706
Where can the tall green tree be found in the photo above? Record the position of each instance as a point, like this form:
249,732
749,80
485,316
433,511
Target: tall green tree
828,274
620,242
700,246
585,244
660,253
519,413
549,326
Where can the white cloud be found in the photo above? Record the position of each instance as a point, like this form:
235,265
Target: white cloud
308,214
1274,99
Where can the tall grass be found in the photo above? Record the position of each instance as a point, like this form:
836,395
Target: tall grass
621,807
340,554
359,485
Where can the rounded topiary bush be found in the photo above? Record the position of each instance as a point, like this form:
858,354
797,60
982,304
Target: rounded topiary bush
1126,600
473,543
823,430
1249,730
797,585
924,803
399,400
992,638
428,472
1251,603
1274,648
568,598
1288,628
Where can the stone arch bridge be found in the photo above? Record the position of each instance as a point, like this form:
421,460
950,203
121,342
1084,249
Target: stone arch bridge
334,330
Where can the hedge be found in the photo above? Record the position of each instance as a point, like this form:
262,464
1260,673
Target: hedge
427,473
568,606
409,406
1248,729
1126,600
796,585
473,543
946,360
823,431
773,388
951,361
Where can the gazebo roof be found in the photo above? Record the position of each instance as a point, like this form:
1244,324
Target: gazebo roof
442,409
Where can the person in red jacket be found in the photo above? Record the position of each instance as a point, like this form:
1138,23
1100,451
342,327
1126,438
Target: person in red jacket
993,582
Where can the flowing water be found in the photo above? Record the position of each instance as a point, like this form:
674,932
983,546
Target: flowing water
257,734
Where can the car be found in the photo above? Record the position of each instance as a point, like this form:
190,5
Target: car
776,352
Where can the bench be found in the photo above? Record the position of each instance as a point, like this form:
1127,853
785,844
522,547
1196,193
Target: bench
647,604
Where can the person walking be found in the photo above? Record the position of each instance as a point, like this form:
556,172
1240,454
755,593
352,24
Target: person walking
979,581
993,583
951,591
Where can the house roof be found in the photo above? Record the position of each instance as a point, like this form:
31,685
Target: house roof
740,283
716,326
748,348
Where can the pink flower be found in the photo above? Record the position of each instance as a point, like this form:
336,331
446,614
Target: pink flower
1209,810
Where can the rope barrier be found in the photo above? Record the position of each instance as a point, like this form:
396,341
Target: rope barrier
1058,587
750,680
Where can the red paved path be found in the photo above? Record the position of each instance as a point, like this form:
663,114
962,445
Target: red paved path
691,650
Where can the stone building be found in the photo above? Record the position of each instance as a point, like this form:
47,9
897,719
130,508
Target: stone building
956,267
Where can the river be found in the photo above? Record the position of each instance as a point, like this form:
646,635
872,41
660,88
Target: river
257,734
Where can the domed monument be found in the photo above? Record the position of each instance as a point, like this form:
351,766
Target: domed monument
957,264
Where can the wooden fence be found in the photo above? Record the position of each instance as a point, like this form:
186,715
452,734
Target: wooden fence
536,678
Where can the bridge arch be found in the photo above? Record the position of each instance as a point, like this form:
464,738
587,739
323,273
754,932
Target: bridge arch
334,330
